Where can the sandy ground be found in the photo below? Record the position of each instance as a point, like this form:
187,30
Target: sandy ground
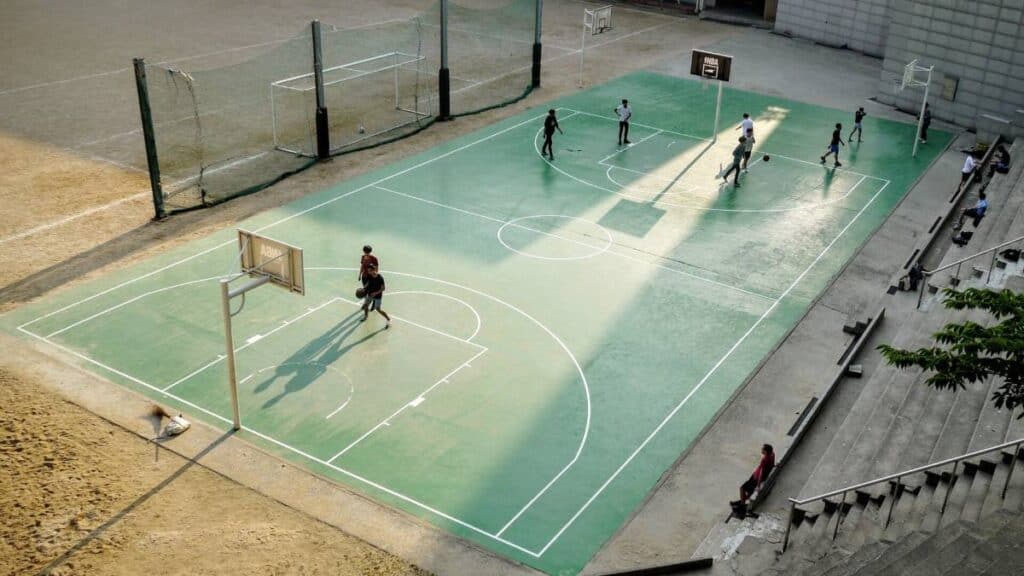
84,496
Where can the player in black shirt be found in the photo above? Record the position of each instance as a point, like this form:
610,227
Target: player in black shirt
374,295
858,117
550,125
833,147
925,123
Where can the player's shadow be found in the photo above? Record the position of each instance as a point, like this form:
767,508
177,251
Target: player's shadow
310,362
826,183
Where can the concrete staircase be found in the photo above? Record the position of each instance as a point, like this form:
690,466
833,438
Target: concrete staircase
956,519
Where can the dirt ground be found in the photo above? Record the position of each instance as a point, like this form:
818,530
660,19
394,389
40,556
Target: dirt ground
84,496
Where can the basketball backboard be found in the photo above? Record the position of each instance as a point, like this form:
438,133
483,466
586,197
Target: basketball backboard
710,66
280,262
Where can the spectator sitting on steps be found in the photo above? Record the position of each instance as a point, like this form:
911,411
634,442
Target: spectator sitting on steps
978,212
1001,162
764,468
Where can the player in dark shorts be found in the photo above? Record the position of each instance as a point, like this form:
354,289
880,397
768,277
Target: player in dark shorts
737,159
858,117
365,261
550,125
833,147
374,295
925,123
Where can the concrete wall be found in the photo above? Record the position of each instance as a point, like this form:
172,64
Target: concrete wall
981,42
859,25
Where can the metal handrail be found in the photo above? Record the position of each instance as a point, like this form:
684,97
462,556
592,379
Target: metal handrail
794,502
960,262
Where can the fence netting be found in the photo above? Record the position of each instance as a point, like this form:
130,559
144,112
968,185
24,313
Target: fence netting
234,129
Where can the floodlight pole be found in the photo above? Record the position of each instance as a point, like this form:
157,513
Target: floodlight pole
920,116
226,294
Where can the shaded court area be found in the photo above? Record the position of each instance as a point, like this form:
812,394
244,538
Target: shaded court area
562,331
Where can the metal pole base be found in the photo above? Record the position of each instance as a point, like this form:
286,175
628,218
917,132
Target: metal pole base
323,135
444,87
535,76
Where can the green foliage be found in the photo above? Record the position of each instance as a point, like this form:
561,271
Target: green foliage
969,352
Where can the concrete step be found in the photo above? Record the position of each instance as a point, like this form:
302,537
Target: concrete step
971,511
840,565
890,455
1015,427
891,555
926,549
958,496
949,493
922,504
951,553
927,429
993,499
992,422
902,514
1015,492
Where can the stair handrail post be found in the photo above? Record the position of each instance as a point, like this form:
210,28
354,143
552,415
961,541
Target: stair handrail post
952,482
991,265
789,525
839,517
1013,464
895,496
920,293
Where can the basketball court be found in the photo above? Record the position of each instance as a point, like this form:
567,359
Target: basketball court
562,331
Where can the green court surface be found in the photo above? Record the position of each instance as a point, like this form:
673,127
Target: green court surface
563,331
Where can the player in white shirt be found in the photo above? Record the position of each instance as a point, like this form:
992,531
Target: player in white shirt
746,126
968,170
625,113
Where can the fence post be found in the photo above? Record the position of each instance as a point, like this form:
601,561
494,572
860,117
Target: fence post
323,135
535,70
443,76
147,134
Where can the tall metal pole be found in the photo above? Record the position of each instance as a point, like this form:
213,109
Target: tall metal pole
147,133
230,359
323,136
920,117
583,45
718,110
535,76
443,77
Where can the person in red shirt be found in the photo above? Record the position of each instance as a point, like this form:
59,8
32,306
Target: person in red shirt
365,261
764,468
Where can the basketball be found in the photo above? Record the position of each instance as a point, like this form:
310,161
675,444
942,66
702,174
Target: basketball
767,158
360,292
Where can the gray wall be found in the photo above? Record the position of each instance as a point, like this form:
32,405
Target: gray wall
978,41
859,25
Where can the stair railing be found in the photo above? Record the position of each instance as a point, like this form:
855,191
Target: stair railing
955,461
959,263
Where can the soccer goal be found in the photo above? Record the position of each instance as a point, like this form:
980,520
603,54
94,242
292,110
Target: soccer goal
366,98
595,21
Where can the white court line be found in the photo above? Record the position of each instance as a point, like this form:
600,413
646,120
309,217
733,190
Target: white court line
419,396
286,218
416,324
628,146
220,357
476,314
684,135
709,373
514,224
608,175
572,357
288,447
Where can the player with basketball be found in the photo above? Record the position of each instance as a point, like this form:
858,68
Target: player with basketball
373,294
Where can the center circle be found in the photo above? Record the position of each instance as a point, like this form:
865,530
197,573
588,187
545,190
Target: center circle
587,237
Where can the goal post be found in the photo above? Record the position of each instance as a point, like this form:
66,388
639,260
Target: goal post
367,97
912,78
